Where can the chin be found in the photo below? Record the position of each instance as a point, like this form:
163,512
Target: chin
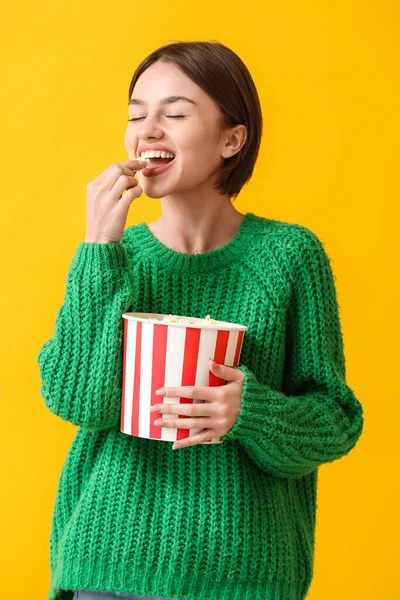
154,195
154,189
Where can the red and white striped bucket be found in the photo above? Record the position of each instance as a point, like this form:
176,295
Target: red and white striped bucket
170,351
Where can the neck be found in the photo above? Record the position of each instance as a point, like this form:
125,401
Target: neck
196,227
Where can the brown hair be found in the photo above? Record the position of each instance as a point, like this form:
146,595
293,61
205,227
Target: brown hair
222,75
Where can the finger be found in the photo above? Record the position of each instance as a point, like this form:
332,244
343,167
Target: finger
192,410
207,393
136,164
193,440
125,182
110,175
126,200
225,372
116,176
196,423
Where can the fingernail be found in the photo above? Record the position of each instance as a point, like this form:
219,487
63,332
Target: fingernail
161,392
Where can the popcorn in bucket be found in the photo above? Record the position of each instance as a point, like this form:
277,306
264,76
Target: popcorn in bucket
170,351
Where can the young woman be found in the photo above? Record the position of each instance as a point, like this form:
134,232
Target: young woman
232,521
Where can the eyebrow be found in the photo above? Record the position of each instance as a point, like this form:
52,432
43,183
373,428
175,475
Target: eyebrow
168,100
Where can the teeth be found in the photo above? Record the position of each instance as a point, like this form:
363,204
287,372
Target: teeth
157,154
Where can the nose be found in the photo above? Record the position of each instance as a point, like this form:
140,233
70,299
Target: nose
149,128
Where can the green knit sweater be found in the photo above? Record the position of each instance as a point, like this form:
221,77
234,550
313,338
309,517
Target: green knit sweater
230,521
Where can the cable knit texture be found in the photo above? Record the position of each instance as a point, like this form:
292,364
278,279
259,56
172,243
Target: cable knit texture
230,521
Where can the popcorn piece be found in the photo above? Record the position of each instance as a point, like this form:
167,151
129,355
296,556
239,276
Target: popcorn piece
175,319
211,321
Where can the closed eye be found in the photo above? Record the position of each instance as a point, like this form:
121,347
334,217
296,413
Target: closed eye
170,116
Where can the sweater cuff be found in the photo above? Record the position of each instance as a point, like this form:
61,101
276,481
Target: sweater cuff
252,415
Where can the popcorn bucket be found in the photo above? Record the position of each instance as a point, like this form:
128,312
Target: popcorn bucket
170,351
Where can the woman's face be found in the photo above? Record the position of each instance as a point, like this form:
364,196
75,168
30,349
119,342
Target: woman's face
195,138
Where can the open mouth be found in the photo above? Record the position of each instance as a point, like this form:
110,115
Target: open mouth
159,162
157,166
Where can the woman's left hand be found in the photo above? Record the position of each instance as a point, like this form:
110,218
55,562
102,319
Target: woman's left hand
216,415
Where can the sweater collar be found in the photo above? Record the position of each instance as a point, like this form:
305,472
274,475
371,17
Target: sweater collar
173,260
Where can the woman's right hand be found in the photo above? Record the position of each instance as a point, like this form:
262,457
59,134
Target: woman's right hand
106,205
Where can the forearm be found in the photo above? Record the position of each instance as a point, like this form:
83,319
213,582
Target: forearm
81,365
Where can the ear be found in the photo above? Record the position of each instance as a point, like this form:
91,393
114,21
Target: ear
236,138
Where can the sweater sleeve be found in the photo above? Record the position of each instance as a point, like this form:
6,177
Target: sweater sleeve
316,419
81,364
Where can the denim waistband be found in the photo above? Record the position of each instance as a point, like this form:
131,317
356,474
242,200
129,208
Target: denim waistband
92,595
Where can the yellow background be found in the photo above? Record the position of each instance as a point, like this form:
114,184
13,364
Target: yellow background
328,79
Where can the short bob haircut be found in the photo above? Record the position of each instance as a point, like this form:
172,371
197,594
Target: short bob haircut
222,75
